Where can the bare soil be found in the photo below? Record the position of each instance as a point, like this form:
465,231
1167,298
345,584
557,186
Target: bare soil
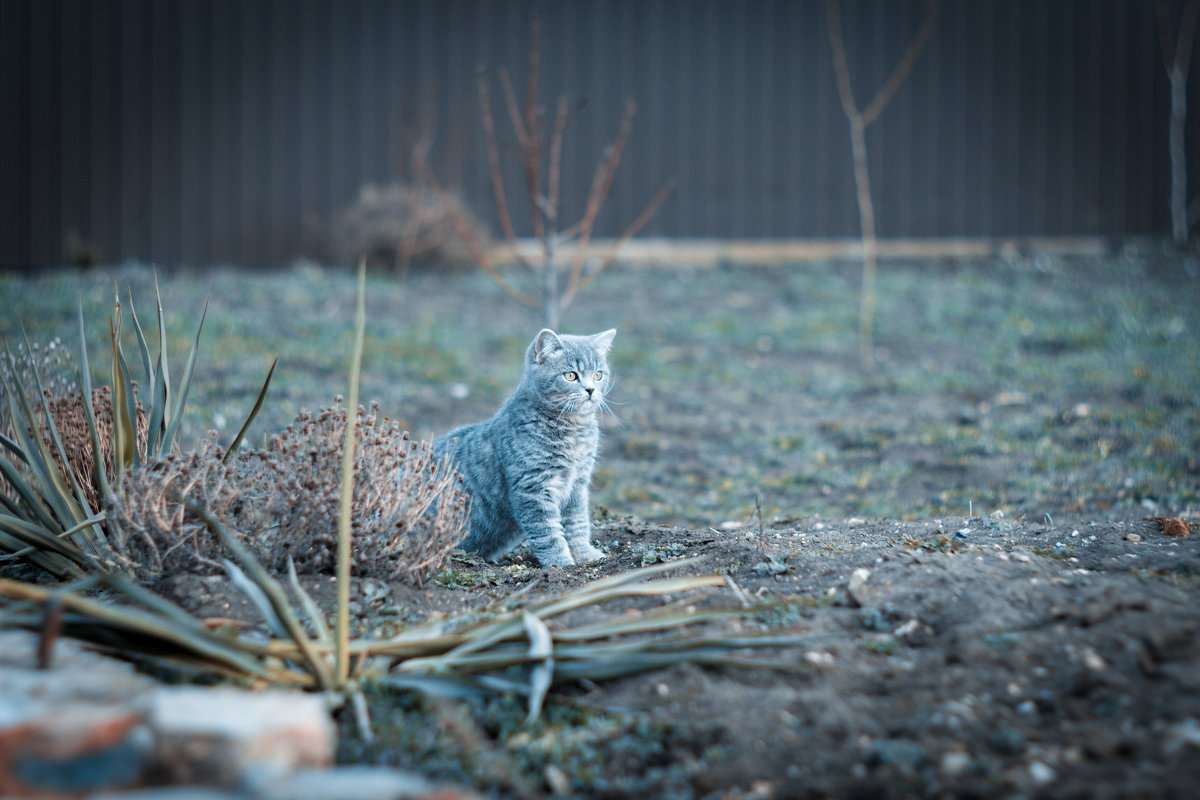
960,534
969,658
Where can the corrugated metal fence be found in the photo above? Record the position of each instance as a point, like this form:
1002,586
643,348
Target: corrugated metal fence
201,131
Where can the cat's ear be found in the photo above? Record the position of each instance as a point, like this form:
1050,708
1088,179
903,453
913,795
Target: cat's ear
603,341
545,345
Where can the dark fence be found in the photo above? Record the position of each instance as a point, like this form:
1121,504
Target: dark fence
231,131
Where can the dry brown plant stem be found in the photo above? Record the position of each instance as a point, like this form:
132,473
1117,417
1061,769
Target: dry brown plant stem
859,122
346,497
1177,57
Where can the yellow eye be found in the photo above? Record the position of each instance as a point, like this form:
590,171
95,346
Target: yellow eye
570,376
599,376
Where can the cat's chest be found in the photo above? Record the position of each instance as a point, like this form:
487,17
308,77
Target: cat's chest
563,468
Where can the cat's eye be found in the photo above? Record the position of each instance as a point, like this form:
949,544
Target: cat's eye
570,376
599,376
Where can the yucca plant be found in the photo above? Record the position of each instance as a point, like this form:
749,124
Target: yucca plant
514,651
65,457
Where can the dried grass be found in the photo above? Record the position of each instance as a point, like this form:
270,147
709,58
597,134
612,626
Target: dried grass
148,507
409,510
70,419
397,226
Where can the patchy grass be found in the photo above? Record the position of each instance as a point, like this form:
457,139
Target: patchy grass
1038,385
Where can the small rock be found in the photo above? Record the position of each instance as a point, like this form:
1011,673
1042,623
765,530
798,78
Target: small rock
858,590
212,736
955,763
557,780
1093,661
349,783
73,750
1040,774
818,659
1133,537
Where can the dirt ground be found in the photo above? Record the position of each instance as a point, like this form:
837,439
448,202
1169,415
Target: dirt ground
950,658
960,534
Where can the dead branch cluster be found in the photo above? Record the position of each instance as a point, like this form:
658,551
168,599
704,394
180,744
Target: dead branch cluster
70,419
538,149
400,225
410,509
159,537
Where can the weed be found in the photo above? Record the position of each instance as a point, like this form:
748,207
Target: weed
880,645
776,565
662,553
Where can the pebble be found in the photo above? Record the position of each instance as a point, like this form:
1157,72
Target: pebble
1133,537
955,763
557,780
1093,661
1040,774
858,590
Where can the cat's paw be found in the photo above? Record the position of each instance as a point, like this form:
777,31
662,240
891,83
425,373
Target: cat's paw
556,557
588,554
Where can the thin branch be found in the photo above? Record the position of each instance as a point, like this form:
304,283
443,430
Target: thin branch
478,251
841,69
556,139
578,282
859,121
1162,20
514,112
531,78
601,183
1187,35
493,155
904,67
1176,55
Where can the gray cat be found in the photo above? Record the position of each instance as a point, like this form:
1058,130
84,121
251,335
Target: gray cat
528,468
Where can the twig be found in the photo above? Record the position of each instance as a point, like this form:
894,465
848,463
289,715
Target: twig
493,155
601,183
758,513
741,596
582,281
478,253
876,106
859,121
556,138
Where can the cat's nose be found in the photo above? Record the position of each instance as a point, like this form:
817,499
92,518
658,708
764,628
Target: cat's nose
590,389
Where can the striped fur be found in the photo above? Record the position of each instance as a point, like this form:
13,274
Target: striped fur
528,468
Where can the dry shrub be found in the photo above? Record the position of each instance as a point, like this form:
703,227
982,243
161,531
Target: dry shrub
409,510
70,420
396,226
161,538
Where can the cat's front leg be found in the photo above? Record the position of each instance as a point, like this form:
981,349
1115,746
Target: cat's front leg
577,525
541,522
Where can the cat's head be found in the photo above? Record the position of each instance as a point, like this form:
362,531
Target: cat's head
570,372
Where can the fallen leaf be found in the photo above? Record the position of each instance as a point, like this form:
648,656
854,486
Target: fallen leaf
1174,526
